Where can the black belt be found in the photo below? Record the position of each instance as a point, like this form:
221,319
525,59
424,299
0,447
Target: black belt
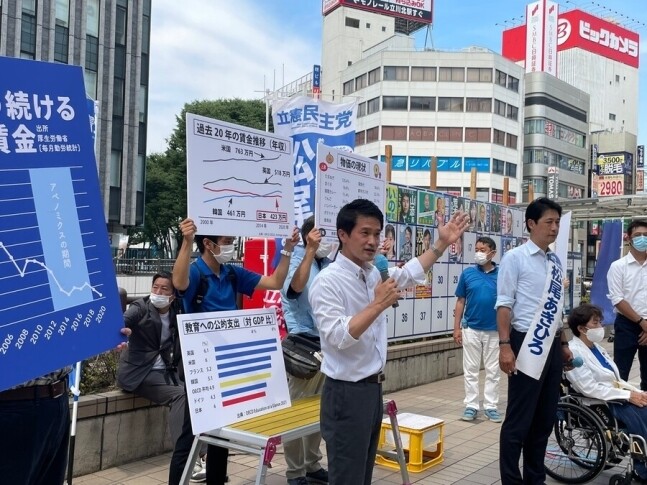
54,390
374,379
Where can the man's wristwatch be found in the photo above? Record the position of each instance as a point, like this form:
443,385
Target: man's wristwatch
504,342
286,253
436,251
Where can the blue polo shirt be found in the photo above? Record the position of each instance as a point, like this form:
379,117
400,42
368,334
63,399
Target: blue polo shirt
479,290
221,294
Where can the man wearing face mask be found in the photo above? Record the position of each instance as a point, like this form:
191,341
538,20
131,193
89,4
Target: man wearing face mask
148,367
475,329
303,455
224,282
628,293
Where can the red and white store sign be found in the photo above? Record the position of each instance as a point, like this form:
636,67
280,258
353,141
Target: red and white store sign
611,185
577,28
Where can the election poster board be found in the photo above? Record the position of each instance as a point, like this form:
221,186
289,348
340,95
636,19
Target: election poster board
309,122
412,218
59,301
233,366
239,180
341,178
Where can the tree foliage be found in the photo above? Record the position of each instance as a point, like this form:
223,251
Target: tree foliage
165,204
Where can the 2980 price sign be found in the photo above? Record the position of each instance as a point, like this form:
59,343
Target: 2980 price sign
611,186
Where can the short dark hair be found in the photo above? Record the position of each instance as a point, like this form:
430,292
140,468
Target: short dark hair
538,207
409,230
487,240
308,225
163,274
199,241
634,225
581,315
347,217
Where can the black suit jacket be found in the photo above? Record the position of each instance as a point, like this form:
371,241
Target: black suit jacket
144,344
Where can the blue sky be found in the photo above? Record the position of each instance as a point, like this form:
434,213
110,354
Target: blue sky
211,50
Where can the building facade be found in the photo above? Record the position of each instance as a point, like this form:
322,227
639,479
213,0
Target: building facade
555,149
464,108
110,39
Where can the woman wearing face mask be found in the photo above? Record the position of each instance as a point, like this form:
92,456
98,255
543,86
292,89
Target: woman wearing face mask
148,368
599,378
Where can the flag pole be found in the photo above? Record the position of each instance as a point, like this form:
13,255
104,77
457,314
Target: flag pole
76,391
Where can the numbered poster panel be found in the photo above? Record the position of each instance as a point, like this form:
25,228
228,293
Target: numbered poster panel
239,180
439,315
455,271
439,284
390,322
58,294
422,316
451,312
341,178
233,366
404,318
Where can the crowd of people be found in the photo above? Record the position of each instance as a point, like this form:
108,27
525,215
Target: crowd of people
507,315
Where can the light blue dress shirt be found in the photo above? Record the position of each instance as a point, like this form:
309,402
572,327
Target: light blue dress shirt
297,311
522,278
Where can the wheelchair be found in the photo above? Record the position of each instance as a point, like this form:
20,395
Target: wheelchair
587,439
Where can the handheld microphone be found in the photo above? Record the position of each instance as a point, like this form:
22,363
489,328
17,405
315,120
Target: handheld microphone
576,361
382,266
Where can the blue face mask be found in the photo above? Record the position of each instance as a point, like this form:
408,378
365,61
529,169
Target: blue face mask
639,243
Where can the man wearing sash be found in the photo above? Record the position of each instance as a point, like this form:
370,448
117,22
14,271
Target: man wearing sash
529,319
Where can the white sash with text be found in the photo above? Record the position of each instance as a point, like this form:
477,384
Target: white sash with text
547,320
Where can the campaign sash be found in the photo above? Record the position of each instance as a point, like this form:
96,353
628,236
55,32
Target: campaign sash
547,320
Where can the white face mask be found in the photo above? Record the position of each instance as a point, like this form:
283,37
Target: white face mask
480,258
595,335
226,253
160,301
323,250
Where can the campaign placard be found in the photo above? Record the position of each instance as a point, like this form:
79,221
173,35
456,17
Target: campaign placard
239,180
233,366
341,178
58,299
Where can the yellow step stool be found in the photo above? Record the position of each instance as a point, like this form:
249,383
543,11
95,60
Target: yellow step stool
422,441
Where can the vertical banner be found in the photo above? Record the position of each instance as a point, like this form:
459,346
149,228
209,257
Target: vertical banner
550,37
309,122
640,169
610,250
534,36
553,183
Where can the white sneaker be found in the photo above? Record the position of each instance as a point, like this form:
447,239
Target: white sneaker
199,471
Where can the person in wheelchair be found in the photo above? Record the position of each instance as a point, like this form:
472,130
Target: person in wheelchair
598,377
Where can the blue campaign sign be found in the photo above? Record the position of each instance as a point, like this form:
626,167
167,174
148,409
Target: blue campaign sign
449,164
481,164
58,299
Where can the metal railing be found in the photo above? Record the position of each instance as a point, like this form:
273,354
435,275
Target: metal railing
147,266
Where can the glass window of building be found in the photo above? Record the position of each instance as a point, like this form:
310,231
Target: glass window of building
498,137
477,135
513,112
450,104
28,30
372,106
361,82
456,74
372,134
479,74
423,73
394,133
501,78
450,134
396,73
423,103
511,170
348,87
511,141
513,84
421,133
394,103
498,166
92,18
361,109
351,22
61,31
499,107
360,138
374,76
478,105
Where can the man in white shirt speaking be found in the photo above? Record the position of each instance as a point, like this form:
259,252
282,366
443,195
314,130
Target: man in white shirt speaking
348,300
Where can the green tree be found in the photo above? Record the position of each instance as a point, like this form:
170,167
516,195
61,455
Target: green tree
166,172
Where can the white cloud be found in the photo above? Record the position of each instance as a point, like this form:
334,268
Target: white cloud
211,50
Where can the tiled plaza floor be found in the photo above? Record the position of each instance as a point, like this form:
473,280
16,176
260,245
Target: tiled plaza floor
471,449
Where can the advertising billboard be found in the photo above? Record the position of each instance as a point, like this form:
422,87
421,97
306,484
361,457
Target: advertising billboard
611,185
416,10
577,28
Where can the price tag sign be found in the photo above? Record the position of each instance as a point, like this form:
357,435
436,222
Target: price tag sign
611,185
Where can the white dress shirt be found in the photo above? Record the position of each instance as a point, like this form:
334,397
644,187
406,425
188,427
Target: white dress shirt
521,282
338,293
627,280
